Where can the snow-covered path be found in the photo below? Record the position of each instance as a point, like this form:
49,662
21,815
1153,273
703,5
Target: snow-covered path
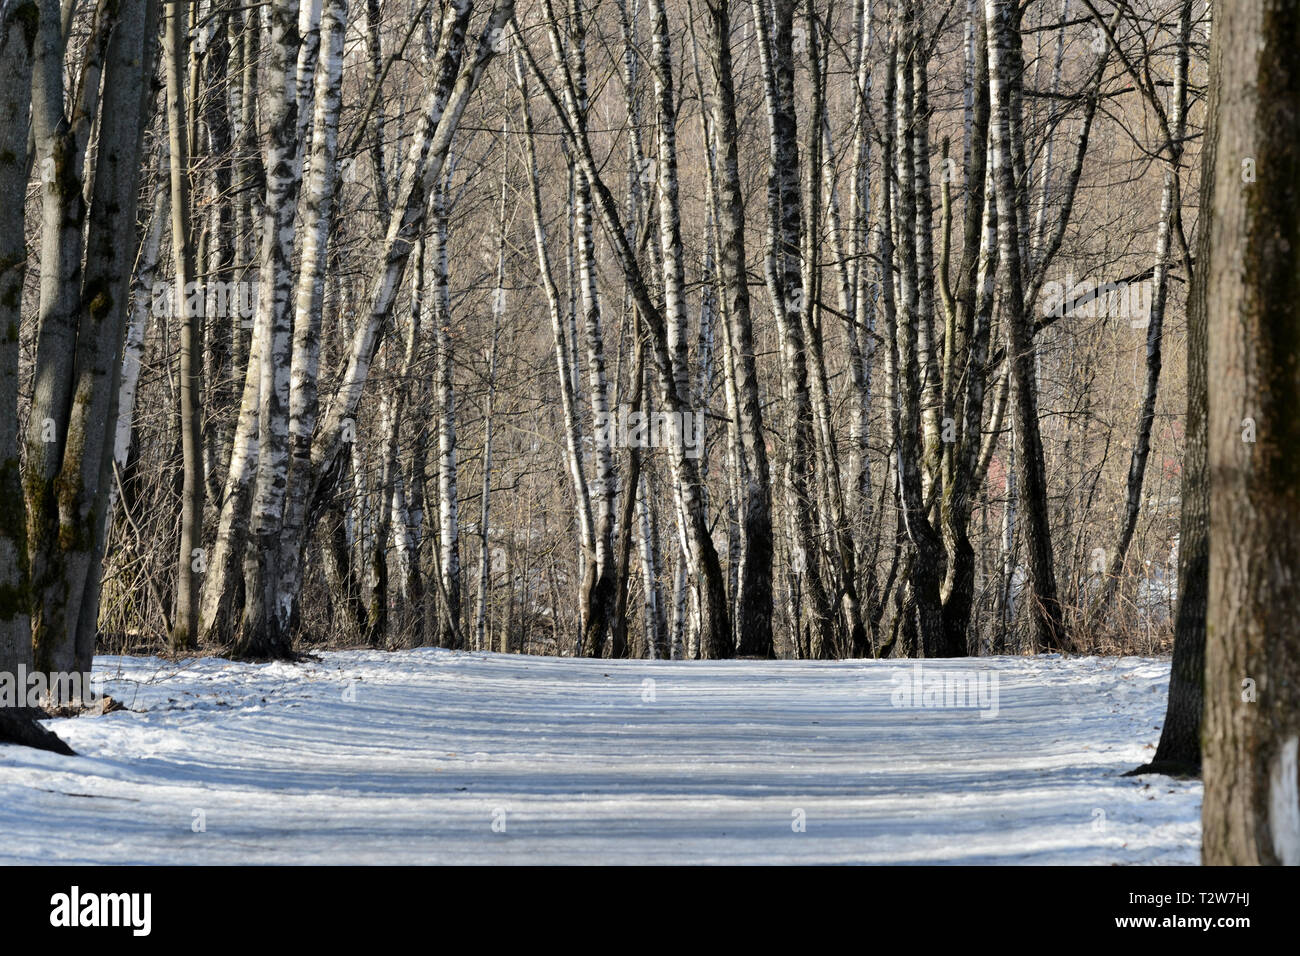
429,756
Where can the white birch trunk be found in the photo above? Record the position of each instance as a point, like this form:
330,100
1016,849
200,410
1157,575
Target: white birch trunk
448,501
261,633
317,222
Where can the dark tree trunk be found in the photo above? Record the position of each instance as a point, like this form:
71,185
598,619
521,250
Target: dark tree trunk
1179,750
1251,812
754,598
1002,21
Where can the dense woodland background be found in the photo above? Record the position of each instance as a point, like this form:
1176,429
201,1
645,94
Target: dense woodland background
363,281
964,327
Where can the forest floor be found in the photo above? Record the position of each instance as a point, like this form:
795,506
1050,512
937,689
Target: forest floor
429,756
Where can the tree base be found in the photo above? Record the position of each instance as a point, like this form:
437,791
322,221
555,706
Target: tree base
21,727
1168,768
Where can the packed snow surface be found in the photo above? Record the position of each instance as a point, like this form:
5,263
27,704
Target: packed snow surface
429,756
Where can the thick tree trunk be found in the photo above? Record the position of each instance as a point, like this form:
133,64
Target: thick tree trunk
18,23
1251,812
79,348
16,42
60,153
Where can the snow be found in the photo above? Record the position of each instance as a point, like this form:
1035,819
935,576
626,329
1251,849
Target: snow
429,756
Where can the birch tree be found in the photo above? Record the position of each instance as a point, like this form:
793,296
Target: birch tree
754,578
893,375
715,631
449,631
319,206
599,581
1001,23
457,73
261,632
